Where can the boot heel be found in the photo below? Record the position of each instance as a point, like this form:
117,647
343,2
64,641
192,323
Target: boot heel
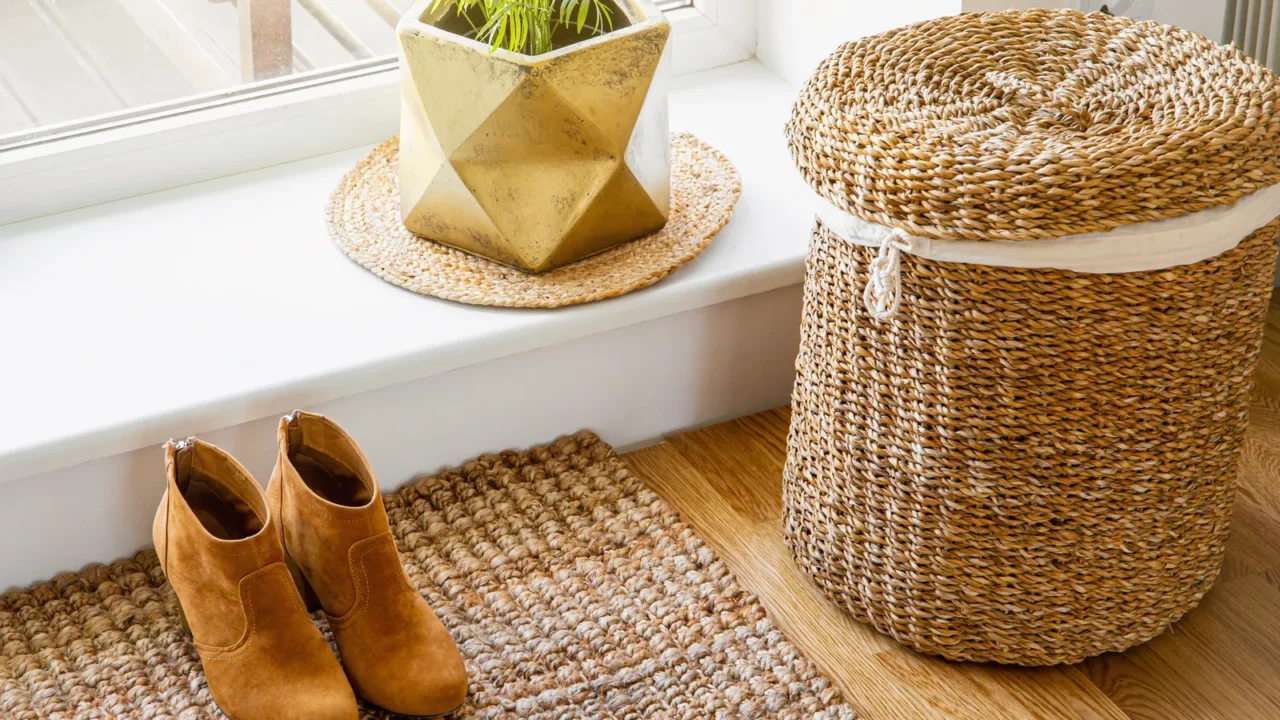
182,614
182,618
304,588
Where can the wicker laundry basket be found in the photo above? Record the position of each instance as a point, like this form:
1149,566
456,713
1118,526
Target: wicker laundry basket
1025,464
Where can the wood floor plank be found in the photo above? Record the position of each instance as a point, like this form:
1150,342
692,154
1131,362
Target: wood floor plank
1254,543
1213,656
742,459
1056,692
1259,471
665,472
1272,577
1244,625
1146,688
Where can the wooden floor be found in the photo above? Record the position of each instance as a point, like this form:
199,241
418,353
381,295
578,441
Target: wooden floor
1221,662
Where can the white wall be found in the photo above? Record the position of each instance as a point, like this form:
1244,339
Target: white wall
795,35
996,5
1202,16
630,385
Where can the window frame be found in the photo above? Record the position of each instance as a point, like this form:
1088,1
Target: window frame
149,149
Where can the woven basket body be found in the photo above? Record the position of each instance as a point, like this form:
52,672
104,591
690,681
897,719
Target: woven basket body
1025,466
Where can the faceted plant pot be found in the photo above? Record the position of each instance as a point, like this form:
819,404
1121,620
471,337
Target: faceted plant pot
534,161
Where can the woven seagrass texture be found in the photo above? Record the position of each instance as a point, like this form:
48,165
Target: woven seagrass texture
572,590
1024,466
1035,124
364,220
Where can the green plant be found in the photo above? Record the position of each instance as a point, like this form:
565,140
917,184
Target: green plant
526,26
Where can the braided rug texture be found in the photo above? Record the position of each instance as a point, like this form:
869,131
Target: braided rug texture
572,590
1035,124
364,221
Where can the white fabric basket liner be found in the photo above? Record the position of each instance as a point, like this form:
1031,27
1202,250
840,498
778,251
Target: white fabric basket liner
1142,247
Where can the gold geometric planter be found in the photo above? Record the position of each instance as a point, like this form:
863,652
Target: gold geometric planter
534,161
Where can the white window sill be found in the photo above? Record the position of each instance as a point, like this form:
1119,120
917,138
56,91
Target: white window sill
214,304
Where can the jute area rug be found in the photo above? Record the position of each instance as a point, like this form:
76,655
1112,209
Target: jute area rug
573,591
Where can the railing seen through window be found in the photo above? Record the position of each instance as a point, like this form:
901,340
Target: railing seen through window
72,66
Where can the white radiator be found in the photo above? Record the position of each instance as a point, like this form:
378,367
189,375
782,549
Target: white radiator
1254,25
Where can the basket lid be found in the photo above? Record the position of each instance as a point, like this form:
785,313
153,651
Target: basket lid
1028,125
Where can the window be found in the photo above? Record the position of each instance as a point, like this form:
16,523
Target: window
67,66
99,97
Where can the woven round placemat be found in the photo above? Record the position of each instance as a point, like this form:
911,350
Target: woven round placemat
573,591
364,220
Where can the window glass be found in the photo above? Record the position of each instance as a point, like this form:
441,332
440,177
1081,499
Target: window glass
70,65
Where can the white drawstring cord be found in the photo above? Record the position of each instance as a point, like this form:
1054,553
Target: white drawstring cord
1142,247
883,293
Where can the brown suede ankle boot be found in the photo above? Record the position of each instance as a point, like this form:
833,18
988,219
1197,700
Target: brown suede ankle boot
396,652
220,549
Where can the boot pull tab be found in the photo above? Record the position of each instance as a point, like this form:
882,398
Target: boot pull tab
183,453
181,469
293,427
